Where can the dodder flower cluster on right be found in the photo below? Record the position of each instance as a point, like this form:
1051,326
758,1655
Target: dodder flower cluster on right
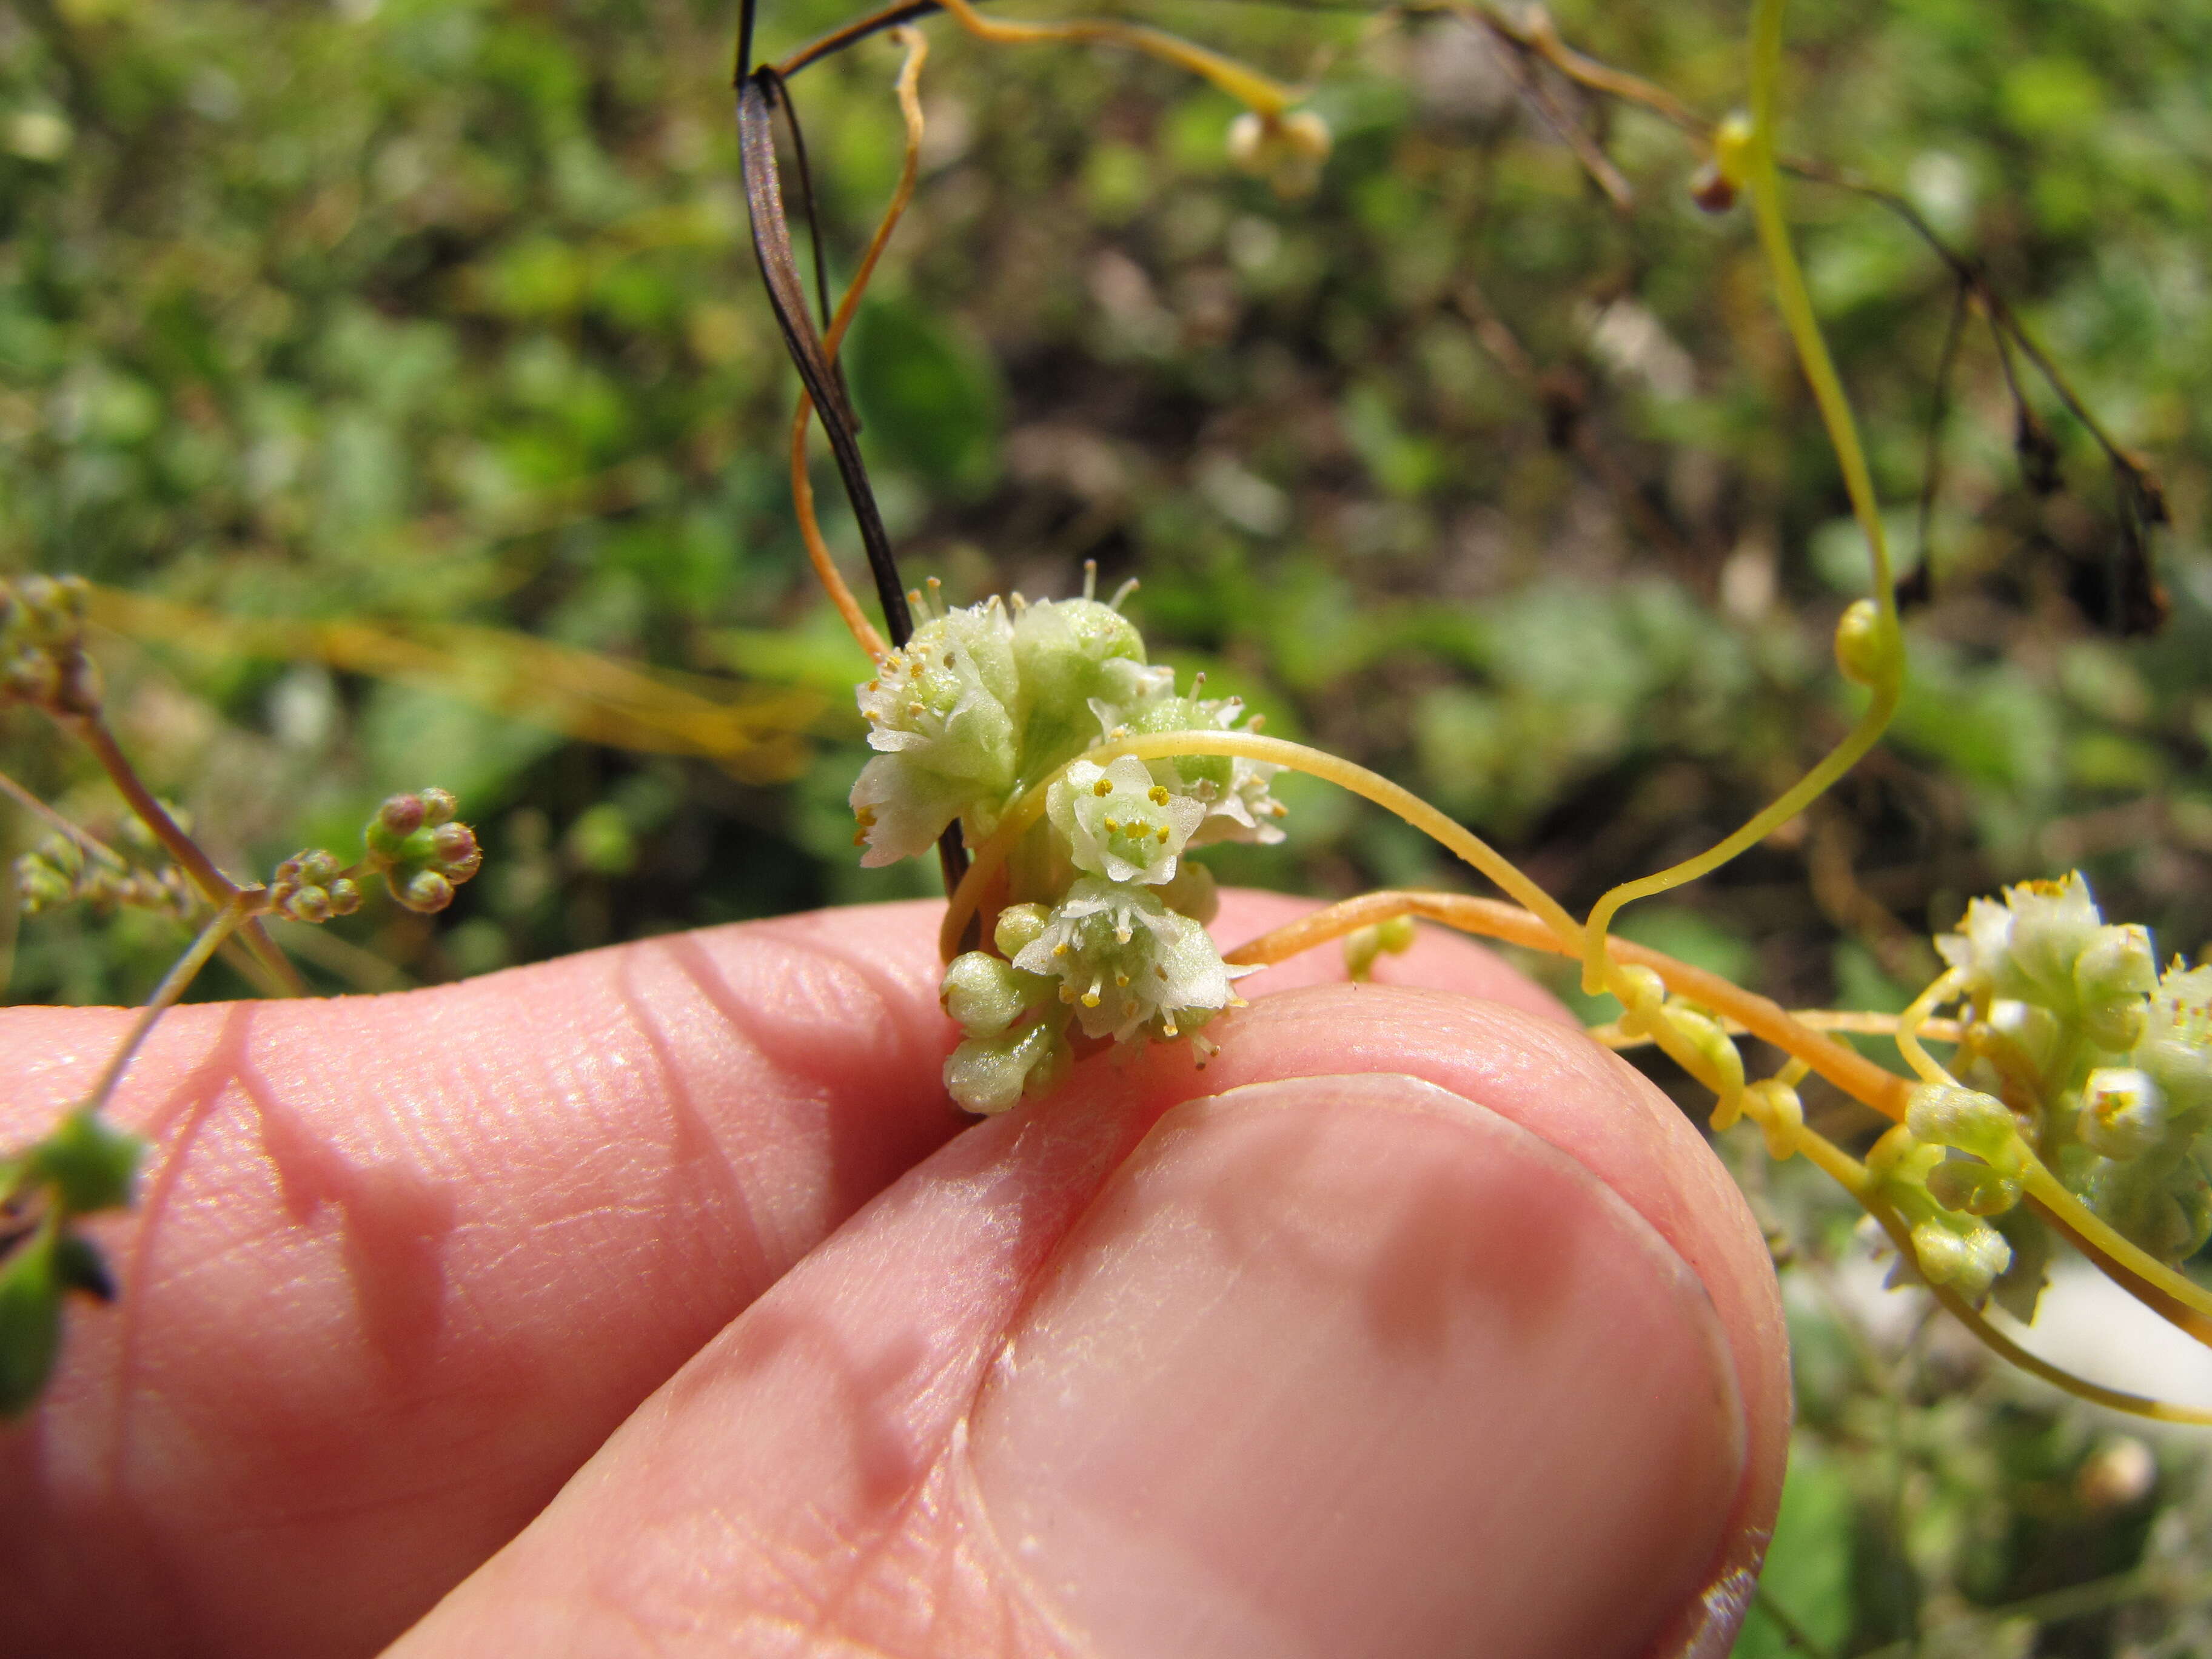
2075,1045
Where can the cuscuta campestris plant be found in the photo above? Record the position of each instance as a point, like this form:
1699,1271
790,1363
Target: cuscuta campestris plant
1064,781
86,1166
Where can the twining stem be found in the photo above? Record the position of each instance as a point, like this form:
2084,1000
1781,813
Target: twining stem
2178,1300
1910,1023
1751,157
1845,1067
59,822
1294,756
802,487
224,922
1853,1177
1259,93
281,977
2174,1297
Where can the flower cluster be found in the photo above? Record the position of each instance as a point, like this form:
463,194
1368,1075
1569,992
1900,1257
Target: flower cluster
42,657
1102,936
62,870
414,842
2075,1045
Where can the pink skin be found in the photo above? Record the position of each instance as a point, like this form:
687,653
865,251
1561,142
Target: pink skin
1412,1324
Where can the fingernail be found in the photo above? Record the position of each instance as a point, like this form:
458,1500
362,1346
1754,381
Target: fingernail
1352,1366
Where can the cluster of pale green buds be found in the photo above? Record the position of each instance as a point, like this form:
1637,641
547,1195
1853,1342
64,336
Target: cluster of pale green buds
421,853
311,886
59,871
1103,935
2072,1045
42,656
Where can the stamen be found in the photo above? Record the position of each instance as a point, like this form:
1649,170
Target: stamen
1103,787
1157,794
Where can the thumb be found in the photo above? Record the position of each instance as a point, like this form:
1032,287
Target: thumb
1347,1358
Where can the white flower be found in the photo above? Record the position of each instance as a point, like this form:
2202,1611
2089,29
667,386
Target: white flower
945,713
1125,962
2027,947
1119,823
2123,1112
2177,1043
1234,790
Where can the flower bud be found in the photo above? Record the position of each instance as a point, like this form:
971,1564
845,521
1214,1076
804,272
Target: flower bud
1966,1258
1712,189
426,891
2114,976
307,904
984,994
1020,927
438,806
401,815
1972,1189
1867,647
1944,1114
345,896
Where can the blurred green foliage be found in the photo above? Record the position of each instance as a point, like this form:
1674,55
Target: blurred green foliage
441,311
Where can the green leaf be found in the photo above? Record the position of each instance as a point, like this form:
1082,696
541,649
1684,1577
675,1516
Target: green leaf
1808,1567
30,1322
89,1162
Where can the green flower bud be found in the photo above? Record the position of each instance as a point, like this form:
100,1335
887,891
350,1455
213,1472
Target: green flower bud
991,1075
1061,650
1966,1256
1867,650
1018,926
1972,1189
986,995
2113,978
426,891
30,1322
1944,1115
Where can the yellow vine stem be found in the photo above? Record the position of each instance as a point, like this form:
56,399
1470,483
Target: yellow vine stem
1260,93
1845,1067
1856,1022
993,851
1748,157
1911,1023
802,487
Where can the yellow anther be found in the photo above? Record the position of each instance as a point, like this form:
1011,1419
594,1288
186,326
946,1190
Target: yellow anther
1121,979
1091,998
1158,794
1103,787
1165,832
1061,949
1112,828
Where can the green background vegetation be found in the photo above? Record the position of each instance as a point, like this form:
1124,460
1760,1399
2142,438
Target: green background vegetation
436,312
